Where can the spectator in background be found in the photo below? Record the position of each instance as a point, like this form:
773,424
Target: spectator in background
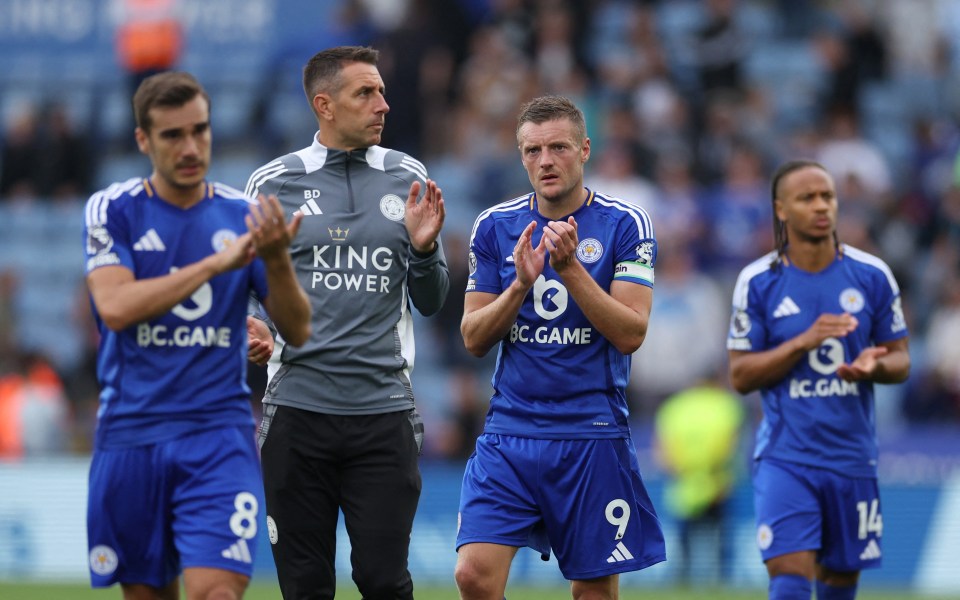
65,156
149,39
43,157
720,49
696,441
720,133
680,217
625,133
848,153
943,348
854,53
798,17
690,308
34,413
616,175
493,81
557,54
20,170
8,319
736,210
403,49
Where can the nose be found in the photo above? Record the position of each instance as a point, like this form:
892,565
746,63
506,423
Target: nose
383,107
546,158
190,146
821,203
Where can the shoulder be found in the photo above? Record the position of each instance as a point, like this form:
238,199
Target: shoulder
222,190
512,210
396,163
229,194
284,168
113,197
516,208
752,275
633,214
870,264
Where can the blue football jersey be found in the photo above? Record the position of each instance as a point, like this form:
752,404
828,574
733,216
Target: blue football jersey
556,376
184,370
812,416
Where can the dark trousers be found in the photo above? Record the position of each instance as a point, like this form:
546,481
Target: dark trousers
315,465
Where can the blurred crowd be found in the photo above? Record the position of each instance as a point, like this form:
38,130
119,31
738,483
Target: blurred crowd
690,105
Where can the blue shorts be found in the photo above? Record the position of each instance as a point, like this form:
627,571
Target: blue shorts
585,499
800,508
193,501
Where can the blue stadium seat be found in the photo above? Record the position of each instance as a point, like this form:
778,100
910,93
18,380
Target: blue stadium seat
883,102
792,75
680,18
120,167
234,168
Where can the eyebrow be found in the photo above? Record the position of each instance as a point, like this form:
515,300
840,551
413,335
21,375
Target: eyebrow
195,127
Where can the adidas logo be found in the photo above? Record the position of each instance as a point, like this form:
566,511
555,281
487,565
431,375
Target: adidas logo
508,258
620,554
150,242
871,552
238,551
786,308
310,208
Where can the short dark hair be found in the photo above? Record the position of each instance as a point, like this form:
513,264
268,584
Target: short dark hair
550,108
322,71
170,89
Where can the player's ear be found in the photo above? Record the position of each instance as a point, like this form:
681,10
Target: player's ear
585,150
778,210
323,106
143,140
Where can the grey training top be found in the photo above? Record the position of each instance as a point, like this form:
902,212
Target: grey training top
353,257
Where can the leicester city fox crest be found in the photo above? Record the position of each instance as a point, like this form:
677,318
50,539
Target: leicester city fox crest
645,253
99,240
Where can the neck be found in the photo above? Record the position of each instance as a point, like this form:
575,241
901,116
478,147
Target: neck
332,144
561,207
812,256
181,197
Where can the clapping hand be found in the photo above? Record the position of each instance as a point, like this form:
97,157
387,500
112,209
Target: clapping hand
424,219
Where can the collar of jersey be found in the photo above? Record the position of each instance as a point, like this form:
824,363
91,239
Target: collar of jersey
151,193
533,201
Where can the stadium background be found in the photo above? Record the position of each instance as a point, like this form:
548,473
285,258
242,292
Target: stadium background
688,112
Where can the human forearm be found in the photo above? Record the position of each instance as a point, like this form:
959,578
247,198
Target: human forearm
893,368
623,326
488,318
888,362
122,300
429,281
287,304
751,371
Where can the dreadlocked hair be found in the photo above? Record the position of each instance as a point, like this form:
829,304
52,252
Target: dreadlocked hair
779,230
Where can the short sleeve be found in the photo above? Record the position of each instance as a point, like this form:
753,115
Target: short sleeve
482,259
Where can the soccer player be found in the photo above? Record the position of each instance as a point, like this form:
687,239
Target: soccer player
340,430
562,278
815,324
171,261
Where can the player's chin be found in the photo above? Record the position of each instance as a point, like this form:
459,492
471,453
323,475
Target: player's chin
191,179
548,193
